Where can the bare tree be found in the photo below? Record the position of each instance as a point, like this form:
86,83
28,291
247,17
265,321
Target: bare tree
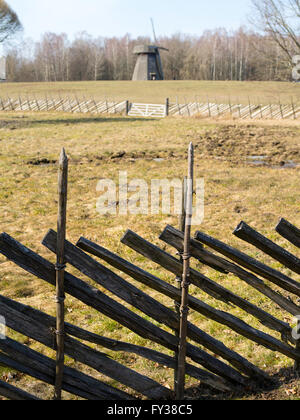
280,19
9,21
214,55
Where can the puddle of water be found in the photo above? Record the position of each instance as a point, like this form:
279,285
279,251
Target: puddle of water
257,157
287,165
261,160
256,160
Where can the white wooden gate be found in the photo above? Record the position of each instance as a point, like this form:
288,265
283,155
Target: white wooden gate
147,110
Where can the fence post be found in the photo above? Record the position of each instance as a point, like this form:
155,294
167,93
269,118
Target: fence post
271,111
297,362
20,102
218,108
167,107
178,106
208,106
178,279
280,106
230,107
184,309
250,107
127,107
60,271
293,108
260,108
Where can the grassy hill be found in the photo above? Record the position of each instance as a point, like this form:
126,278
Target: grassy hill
157,92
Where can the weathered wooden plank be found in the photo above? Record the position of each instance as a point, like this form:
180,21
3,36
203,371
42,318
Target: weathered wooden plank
170,263
153,308
12,393
251,264
173,237
43,269
167,261
155,356
248,234
20,367
152,281
289,232
84,354
31,363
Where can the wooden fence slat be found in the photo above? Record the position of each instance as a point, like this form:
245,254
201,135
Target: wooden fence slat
29,362
43,269
153,308
12,393
248,234
170,263
84,354
174,238
251,264
289,232
118,346
169,290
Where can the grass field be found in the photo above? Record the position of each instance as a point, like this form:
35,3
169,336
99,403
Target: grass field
236,189
157,92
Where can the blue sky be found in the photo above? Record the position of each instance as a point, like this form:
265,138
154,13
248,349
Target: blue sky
118,17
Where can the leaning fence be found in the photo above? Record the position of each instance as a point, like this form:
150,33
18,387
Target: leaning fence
211,362
205,109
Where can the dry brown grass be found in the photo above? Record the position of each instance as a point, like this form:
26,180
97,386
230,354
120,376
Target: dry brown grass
235,190
149,92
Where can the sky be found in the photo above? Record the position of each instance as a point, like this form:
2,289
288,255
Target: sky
109,18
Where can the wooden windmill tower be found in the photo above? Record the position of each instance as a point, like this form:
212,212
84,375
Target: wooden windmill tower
148,65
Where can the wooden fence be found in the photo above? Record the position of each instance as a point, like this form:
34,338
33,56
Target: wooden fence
225,370
206,109
67,104
238,111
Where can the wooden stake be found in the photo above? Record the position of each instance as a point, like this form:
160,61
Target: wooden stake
230,107
297,362
185,279
60,271
208,106
280,106
293,107
182,218
167,107
250,108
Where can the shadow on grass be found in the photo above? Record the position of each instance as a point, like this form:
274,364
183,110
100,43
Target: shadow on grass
27,123
280,387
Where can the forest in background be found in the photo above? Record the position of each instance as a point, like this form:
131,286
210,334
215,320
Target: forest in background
215,55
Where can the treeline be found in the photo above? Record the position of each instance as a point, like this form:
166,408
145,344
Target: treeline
215,55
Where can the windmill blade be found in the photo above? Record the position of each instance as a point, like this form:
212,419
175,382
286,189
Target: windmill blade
153,28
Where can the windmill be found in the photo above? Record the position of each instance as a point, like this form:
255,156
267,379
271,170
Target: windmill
148,65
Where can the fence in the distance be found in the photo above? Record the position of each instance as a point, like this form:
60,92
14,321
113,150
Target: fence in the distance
66,104
206,109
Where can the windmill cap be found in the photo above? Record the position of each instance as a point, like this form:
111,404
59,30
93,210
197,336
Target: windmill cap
147,49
